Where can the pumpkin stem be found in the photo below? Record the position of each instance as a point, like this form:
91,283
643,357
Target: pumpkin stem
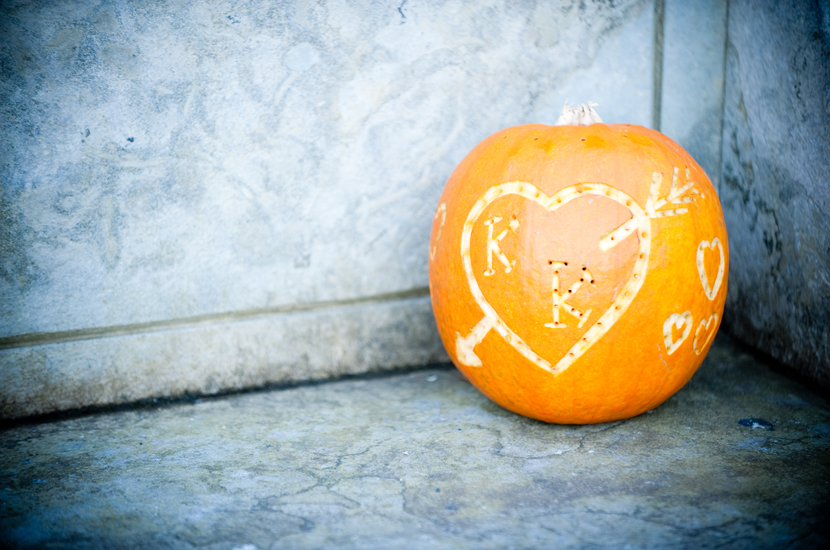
581,115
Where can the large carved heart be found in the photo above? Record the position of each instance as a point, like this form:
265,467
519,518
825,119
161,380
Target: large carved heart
639,222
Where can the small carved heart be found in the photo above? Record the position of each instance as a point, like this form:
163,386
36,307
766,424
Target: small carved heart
677,321
707,327
701,267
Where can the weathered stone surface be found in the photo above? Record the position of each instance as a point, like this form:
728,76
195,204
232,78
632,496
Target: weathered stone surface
776,180
614,72
694,39
216,356
180,163
425,461
168,160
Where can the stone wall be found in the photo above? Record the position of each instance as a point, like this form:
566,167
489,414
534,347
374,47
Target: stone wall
776,180
202,196
692,80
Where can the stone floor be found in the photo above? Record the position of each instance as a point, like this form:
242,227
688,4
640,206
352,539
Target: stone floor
422,460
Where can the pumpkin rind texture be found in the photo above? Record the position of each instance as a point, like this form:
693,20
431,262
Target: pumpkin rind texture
578,273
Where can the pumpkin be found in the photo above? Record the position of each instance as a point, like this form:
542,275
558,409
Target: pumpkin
578,271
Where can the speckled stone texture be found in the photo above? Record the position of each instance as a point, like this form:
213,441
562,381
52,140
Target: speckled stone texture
738,459
188,163
694,40
171,160
776,180
220,356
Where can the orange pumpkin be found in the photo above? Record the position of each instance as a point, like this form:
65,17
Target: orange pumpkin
578,273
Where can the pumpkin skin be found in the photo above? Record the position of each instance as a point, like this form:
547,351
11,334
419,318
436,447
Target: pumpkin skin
578,273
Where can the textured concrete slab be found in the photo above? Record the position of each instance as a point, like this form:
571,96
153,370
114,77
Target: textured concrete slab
181,164
235,352
694,45
737,459
169,160
776,180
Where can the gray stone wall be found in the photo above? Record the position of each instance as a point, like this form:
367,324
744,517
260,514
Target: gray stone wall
201,196
691,110
776,180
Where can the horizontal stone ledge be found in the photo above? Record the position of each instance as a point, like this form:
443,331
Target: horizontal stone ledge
41,338
223,355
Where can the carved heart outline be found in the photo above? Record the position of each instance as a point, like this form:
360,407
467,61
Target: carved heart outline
639,221
705,324
676,320
701,268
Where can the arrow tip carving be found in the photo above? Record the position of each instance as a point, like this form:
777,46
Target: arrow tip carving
464,352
